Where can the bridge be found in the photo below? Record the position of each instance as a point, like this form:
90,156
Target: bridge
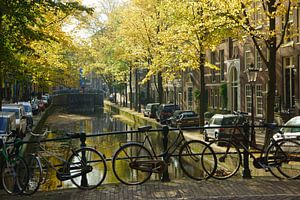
79,101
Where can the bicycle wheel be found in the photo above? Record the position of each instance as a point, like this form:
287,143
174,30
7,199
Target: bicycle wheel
285,156
122,160
87,167
228,158
14,175
194,163
35,174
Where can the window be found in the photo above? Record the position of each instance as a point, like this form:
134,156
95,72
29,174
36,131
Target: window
216,100
190,97
258,60
248,98
212,103
222,64
257,13
289,81
213,61
247,56
288,33
259,100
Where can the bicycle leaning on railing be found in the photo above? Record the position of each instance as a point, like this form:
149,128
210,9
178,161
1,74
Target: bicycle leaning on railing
281,154
133,163
14,171
85,167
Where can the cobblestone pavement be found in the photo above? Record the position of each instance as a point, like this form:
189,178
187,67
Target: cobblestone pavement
256,188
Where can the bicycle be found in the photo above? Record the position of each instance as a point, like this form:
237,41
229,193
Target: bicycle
133,163
14,171
229,155
85,167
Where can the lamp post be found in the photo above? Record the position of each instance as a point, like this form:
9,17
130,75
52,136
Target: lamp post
252,75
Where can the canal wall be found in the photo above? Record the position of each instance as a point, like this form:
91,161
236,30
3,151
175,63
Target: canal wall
131,117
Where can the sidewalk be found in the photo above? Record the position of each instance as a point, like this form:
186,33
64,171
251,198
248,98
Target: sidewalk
257,188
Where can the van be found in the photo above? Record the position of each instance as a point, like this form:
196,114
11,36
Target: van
7,123
20,117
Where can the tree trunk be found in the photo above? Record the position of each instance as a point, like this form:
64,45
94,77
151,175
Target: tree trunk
130,87
272,74
136,90
202,89
160,88
1,90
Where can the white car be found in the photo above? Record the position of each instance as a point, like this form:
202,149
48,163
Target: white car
214,129
20,117
289,132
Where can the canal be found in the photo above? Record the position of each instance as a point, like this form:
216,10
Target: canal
97,122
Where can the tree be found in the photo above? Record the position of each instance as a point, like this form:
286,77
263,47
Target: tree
269,36
23,23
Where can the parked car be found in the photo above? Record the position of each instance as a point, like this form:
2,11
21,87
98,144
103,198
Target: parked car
150,110
172,120
290,132
214,130
45,100
28,113
20,117
187,119
41,106
7,123
164,111
35,106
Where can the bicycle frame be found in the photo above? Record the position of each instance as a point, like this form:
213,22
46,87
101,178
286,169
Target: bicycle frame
169,151
63,160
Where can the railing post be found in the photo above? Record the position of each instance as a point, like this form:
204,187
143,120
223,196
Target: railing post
82,137
246,171
165,176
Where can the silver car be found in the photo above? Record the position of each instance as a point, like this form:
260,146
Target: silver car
289,132
215,129
20,117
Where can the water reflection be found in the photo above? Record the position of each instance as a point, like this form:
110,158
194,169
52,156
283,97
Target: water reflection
102,122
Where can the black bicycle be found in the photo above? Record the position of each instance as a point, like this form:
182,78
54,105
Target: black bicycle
85,167
282,155
133,163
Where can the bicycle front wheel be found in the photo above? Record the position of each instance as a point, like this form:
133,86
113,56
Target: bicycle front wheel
87,168
122,159
197,160
228,158
35,174
285,156
14,175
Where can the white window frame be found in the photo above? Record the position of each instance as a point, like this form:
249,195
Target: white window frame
248,99
259,100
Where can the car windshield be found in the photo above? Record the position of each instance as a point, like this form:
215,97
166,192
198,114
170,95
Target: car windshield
217,121
15,110
3,124
27,108
229,121
292,122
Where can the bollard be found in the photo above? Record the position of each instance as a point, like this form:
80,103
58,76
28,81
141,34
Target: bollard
246,171
165,176
82,137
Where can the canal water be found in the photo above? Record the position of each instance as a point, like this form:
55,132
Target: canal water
94,123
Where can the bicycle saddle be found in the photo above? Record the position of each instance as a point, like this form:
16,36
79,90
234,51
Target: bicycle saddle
144,128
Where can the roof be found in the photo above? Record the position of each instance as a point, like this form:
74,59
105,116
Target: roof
6,114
